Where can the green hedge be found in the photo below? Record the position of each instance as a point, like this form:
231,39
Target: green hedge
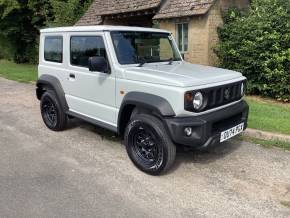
257,43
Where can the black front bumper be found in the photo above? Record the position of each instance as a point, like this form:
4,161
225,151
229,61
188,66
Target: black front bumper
207,128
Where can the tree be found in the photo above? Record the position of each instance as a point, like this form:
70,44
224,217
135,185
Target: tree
67,13
257,43
21,20
20,23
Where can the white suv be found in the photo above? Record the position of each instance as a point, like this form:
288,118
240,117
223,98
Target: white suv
133,81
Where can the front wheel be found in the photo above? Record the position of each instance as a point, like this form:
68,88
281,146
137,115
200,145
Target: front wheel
52,113
148,144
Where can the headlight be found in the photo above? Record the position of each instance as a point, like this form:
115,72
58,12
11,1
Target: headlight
198,101
243,89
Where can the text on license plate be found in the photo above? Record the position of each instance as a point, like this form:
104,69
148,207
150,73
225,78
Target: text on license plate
230,133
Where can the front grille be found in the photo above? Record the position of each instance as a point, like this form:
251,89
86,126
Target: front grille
223,95
218,96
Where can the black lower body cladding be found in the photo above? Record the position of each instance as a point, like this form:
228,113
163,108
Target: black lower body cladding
207,128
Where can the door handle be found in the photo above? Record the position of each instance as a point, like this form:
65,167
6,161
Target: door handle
72,76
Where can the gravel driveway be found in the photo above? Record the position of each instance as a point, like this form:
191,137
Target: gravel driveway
85,172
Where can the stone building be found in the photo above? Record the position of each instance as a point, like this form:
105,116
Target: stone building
192,22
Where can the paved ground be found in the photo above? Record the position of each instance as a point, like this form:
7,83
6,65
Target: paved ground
80,173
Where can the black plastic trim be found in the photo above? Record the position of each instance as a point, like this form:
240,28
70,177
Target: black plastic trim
93,121
149,101
142,100
48,81
204,132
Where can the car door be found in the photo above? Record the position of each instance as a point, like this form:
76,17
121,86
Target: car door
91,94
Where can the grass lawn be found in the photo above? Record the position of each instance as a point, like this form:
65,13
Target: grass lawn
18,72
269,115
267,143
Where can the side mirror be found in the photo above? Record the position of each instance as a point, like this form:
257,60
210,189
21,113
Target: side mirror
99,64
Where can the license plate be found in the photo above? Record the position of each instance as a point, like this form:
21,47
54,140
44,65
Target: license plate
230,133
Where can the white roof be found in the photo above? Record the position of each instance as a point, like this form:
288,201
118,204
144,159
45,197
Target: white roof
100,28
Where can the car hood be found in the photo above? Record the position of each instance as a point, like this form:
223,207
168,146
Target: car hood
180,74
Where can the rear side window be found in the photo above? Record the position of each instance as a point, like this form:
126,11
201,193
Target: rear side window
84,47
53,49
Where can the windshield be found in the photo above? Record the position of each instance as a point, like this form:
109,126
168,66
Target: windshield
144,47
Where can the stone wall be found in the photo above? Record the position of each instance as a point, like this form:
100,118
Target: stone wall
214,21
203,35
198,38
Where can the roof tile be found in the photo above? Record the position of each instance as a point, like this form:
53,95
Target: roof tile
91,17
183,8
101,8
170,9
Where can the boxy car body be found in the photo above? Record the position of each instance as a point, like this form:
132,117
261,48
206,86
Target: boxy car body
112,76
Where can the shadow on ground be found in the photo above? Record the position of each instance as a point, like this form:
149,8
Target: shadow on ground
183,155
103,133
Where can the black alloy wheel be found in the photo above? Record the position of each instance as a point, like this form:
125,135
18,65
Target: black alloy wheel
52,113
148,144
49,113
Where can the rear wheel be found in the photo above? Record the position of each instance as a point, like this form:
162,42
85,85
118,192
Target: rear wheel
52,113
148,144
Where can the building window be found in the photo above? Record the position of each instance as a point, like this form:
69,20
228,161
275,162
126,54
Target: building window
182,36
84,47
53,49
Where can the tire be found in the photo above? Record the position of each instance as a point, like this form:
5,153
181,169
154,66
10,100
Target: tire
148,145
52,113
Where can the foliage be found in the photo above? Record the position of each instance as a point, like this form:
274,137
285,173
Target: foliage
5,49
67,13
257,43
21,20
20,23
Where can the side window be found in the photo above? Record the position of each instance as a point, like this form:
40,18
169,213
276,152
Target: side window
53,49
84,47
182,36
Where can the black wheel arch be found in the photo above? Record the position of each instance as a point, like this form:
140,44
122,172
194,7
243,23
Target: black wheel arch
49,82
153,103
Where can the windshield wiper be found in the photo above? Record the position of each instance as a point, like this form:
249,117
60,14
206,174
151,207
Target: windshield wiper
142,62
170,61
